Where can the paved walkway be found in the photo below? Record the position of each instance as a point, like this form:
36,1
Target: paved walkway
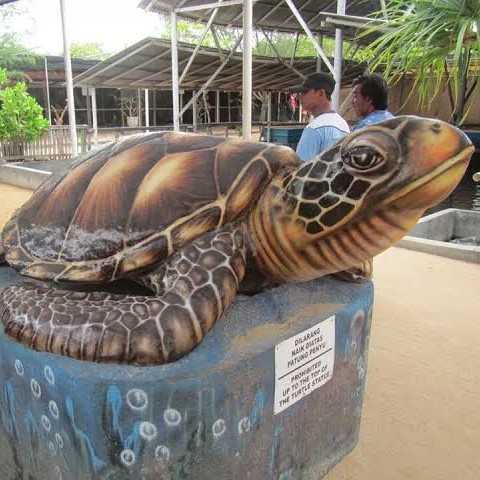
11,198
421,417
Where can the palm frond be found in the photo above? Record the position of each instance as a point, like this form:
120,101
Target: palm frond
421,36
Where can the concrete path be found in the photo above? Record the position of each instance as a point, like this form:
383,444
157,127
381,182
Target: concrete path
421,417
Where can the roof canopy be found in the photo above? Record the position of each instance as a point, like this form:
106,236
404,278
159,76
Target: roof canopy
274,14
148,64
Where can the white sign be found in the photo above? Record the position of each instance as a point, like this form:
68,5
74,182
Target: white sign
304,363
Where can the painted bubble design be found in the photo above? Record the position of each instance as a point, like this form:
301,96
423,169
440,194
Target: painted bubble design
172,417
59,440
19,368
219,428
49,376
53,407
162,454
127,457
58,472
46,423
52,448
137,399
361,368
148,431
357,324
244,425
35,387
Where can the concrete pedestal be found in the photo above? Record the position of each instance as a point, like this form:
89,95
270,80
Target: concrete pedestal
210,415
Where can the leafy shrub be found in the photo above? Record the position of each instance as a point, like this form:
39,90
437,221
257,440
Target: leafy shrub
21,117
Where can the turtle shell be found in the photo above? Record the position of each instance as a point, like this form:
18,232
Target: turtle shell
128,206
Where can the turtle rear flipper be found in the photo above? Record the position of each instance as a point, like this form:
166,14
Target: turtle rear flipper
194,289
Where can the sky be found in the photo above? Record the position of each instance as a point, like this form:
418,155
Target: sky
115,24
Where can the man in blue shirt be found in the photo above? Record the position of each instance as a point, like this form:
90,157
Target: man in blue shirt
327,126
370,100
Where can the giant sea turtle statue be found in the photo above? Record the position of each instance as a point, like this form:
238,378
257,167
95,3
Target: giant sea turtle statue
198,218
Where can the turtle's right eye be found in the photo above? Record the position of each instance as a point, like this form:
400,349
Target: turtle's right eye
363,158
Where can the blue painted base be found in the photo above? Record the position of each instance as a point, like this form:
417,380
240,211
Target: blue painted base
208,416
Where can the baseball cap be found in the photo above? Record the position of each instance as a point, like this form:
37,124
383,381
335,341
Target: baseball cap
316,81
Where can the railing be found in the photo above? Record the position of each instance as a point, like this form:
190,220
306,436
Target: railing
52,145
56,144
224,129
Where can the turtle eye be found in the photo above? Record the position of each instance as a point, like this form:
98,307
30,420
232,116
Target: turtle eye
363,158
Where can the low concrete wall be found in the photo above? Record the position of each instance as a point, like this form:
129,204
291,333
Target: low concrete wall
433,232
23,177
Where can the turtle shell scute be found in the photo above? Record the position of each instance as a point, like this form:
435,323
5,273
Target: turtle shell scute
129,205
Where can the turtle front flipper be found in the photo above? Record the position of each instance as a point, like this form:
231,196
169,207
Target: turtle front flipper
198,284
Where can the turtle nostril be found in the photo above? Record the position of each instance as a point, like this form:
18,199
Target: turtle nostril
436,128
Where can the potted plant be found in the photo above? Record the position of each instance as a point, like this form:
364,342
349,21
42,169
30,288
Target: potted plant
130,110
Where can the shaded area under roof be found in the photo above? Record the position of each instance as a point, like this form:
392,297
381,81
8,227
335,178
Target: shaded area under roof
148,64
271,14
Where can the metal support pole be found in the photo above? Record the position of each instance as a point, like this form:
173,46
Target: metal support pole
217,106
47,88
154,108
319,59
194,111
337,61
139,103
68,77
180,120
279,94
94,116
147,116
247,69
229,99
200,40
269,116
280,59
212,77
302,23
175,83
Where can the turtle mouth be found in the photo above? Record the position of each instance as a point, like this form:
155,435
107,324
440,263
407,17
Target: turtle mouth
435,185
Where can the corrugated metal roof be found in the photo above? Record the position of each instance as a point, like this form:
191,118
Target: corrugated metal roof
271,14
148,64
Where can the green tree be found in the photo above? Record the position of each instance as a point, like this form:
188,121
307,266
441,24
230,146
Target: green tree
438,41
21,117
286,44
92,50
14,55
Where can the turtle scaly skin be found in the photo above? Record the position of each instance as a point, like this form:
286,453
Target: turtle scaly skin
197,218
198,284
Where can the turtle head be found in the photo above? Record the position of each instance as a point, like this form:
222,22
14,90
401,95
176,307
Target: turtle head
358,198
409,162
406,164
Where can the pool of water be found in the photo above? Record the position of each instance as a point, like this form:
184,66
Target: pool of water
467,193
